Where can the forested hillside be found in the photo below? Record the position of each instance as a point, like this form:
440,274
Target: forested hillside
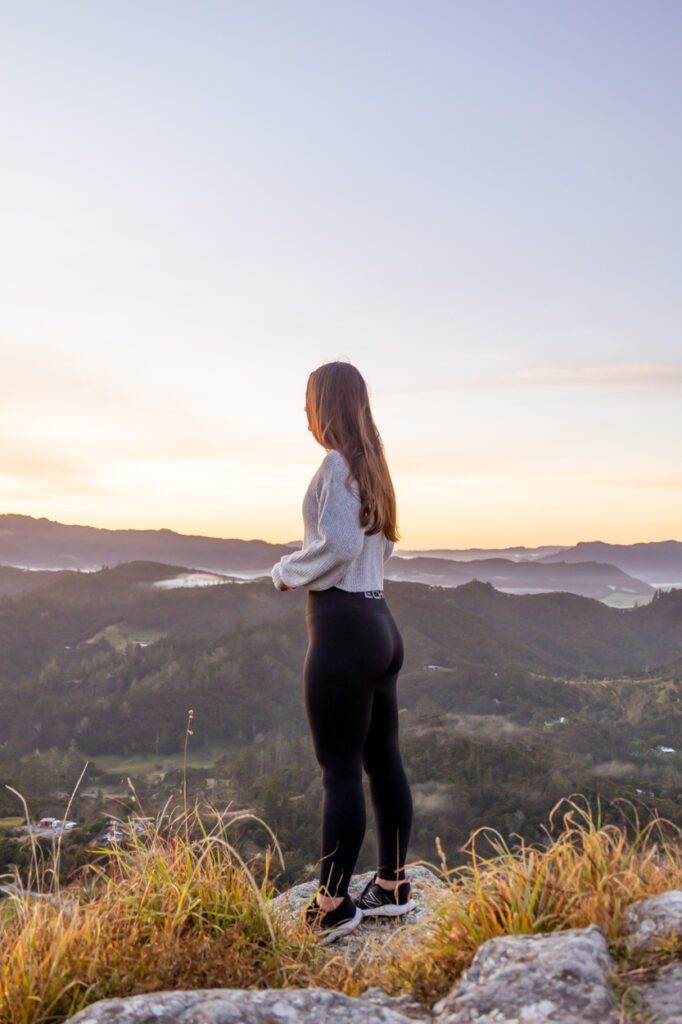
508,702
86,655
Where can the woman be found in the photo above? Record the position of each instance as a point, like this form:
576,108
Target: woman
354,652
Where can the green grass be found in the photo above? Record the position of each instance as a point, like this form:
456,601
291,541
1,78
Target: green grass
176,907
11,822
120,634
145,764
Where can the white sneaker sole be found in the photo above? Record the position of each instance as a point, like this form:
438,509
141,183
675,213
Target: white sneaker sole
345,928
390,910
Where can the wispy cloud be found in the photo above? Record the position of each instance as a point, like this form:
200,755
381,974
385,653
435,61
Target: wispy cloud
601,376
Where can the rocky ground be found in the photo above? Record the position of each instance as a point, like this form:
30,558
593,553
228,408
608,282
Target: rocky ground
557,978
374,936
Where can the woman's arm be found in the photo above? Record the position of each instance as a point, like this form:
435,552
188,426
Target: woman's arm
340,537
388,548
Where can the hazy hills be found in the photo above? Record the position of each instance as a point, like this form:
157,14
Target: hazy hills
589,579
659,562
617,573
656,563
60,633
556,632
44,544
21,581
514,554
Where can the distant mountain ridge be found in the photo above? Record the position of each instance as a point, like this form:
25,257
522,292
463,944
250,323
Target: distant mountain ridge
45,544
594,569
520,553
589,579
653,561
658,563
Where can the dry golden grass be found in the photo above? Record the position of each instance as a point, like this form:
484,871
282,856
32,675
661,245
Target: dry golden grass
171,908
177,907
586,873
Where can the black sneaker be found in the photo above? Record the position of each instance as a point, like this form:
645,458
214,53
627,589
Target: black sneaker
375,901
333,924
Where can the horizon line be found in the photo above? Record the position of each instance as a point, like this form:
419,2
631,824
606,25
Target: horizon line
261,540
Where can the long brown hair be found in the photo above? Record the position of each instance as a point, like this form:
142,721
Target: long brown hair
340,417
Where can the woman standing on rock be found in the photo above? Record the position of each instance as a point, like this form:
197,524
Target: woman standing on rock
354,654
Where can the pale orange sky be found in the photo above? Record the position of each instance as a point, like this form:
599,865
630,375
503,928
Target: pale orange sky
480,206
216,446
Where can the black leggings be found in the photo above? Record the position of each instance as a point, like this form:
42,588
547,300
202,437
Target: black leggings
351,667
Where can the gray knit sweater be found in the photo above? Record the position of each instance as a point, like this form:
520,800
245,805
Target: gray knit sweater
336,551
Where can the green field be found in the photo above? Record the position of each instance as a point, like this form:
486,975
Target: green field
10,822
119,635
145,764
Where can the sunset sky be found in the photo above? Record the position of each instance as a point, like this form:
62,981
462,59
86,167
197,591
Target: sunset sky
479,204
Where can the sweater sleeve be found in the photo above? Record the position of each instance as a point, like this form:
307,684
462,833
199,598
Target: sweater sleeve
388,548
340,536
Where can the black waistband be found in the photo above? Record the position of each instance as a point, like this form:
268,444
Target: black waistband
334,599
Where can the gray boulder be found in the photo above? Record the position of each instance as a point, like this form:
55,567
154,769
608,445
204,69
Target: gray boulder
239,1006
557,978
375,936
663,996
650,922
403,1004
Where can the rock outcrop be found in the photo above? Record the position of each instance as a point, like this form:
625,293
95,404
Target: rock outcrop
562,977
649,923
240,1006
558,978
662,998
375,935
